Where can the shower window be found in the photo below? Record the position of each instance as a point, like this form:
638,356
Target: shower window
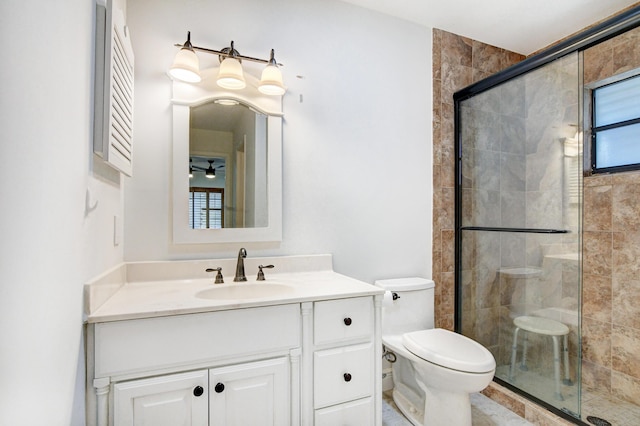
616,126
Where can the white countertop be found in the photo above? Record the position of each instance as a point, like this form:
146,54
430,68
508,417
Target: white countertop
147,299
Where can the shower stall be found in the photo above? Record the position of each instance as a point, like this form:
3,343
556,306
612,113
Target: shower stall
519,211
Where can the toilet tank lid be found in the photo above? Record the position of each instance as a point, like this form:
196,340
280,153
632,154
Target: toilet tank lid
404,284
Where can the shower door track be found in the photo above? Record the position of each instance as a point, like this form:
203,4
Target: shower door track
524,230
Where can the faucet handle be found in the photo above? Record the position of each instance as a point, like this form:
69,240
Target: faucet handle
219,277
260,273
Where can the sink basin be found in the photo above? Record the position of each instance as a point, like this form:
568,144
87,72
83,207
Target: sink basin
244,291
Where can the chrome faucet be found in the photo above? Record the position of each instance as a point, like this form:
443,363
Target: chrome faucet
240,276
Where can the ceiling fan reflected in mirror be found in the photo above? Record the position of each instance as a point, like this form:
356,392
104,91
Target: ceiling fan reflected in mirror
198,164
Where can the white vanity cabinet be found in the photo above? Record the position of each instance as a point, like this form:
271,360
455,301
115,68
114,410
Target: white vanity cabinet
158,355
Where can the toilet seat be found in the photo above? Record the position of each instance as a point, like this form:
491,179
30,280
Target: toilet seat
450,350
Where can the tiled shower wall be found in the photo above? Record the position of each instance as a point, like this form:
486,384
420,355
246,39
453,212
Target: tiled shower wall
611,252
457,62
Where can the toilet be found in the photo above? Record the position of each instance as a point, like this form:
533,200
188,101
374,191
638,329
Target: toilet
434,370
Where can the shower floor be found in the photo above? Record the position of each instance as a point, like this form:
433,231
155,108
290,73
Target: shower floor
542,387
614,410
594,403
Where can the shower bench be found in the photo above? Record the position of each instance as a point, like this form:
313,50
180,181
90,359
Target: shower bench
546,327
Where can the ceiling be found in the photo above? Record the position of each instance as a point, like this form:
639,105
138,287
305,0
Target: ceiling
214,116
517,25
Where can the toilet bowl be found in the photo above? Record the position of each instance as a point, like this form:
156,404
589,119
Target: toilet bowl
435,370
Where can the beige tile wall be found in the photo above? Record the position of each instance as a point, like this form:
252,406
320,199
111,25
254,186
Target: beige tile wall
611,252
611,285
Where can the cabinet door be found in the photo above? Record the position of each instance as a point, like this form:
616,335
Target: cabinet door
172,400
254,393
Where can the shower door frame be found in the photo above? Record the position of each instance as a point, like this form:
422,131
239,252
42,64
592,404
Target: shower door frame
597,34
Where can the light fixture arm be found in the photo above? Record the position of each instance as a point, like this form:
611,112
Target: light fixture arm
187,44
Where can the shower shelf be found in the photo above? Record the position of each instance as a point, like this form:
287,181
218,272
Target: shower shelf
525,230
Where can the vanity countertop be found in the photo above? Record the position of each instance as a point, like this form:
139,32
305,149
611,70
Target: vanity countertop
147,299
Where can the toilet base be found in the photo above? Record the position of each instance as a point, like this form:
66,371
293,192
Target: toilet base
441,408
444,408
409,404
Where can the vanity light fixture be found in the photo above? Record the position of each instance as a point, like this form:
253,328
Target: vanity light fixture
186,65
231,75
271,81
190,168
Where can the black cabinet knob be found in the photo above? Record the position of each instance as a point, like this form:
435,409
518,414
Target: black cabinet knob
347,377
219,388
198,391
347,321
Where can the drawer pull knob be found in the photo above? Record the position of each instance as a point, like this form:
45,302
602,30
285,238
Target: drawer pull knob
347,377
198,391
219,388
347,321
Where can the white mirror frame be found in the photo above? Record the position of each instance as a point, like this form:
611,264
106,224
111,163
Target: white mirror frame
185,96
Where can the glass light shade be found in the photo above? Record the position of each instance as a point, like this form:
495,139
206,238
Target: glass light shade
271,81
186,66
230,75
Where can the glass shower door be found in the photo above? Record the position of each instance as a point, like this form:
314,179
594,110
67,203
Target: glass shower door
518,227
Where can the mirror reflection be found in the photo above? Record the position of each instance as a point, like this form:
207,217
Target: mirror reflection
227,166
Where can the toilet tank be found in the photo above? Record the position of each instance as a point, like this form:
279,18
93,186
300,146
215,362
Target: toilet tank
408,305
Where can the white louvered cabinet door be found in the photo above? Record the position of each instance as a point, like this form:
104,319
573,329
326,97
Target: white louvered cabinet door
113,119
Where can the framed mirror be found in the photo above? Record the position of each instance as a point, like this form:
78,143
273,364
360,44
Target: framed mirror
227,165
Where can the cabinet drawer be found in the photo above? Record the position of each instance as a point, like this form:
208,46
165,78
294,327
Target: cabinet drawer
354,413
342,320
342,374
124,347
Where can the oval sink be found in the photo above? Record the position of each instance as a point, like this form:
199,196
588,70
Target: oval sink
244,291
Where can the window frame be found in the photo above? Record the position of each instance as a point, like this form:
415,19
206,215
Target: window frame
594,130
208,191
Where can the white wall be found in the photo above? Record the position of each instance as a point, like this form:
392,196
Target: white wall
357,131
50,243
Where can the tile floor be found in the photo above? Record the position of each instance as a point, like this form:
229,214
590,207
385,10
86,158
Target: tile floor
484,412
